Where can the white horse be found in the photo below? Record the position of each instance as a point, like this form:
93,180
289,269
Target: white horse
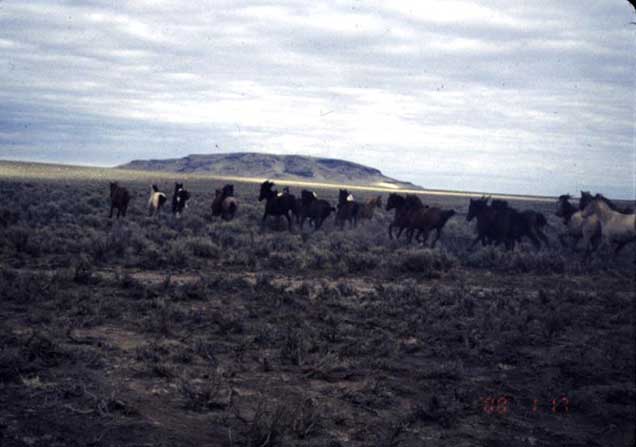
616,227
156,200
577,226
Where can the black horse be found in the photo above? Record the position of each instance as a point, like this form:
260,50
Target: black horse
404,207
179,199
348,209
277,204
317,210
499,223
119,198
526,223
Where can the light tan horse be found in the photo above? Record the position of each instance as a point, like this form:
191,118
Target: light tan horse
616,227
576,225
156,200
366,211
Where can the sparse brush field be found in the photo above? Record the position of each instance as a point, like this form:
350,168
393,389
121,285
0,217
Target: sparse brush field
194,332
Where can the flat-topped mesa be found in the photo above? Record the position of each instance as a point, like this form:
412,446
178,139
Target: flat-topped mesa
274,166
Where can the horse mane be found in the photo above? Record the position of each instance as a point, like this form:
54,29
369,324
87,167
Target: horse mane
413,201
500,204
307,197
612,205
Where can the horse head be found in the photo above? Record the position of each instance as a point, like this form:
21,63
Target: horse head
586,198
475,207
394,201
307,197
228,190
266,190
342,195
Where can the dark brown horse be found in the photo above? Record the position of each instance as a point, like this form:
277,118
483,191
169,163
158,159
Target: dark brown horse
403,207
119,198
317,210
499,223
277,204
224,203
424,220
348,209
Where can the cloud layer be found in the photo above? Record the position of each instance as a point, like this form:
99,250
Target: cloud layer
535,97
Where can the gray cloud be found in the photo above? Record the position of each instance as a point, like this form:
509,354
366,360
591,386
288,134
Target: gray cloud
535,97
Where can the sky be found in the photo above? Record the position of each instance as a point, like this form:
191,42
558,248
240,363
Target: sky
528,97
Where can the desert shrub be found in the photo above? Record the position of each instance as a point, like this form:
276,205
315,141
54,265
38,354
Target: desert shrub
427,261
152,258
196,290
83,271
268,424
361,262
294,346
18,237
282,260
204,395
517,261
27,287
203,248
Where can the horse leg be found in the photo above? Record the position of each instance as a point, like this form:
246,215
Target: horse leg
111,212
437,236
544,238
534,241
391,231
424,236
289,221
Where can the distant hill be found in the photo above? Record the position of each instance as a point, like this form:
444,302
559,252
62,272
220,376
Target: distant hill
270,166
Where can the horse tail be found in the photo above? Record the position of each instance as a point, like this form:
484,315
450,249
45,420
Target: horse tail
162,199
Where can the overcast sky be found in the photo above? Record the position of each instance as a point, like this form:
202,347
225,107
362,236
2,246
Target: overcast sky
530,97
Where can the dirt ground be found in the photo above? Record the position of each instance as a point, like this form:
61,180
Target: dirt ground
156,331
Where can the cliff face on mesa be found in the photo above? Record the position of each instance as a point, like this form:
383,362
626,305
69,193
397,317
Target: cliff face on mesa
257,165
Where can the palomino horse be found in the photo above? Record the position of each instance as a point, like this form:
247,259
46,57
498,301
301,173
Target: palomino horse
277,204
576,225
156,200
224,203
119,198
366,211
179,199
616,227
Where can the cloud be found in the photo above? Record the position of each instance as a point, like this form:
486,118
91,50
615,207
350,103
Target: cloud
534,97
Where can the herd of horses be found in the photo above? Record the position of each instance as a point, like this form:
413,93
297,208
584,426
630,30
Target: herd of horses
596,218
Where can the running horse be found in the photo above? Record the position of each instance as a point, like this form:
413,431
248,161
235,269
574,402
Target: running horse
277,204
